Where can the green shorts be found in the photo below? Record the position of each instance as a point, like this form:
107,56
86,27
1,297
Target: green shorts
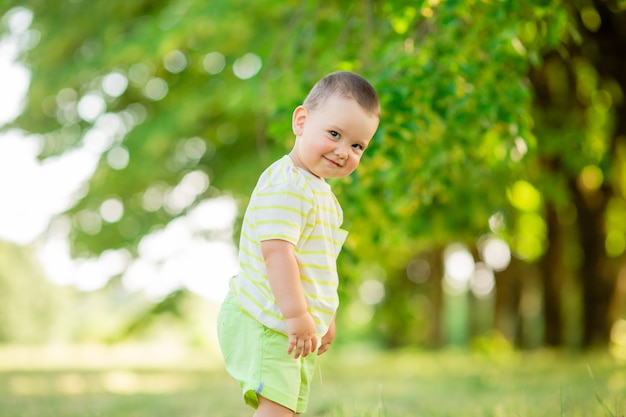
256,357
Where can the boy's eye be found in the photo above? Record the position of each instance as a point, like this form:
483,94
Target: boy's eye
335,134
357,146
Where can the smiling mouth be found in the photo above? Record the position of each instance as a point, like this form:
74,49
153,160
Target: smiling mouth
333,162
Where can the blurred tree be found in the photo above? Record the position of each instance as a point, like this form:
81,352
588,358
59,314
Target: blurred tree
452,141
579,113
161,90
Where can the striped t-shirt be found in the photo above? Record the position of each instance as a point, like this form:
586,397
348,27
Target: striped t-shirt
291,204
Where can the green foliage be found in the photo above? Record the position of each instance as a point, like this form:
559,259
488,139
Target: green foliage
461,123
453,102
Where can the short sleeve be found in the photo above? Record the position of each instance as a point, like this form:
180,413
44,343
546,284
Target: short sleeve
281,212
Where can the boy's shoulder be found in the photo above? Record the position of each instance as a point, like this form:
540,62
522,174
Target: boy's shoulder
284,174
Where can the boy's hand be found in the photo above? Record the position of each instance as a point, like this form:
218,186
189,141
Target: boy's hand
327,339
301,333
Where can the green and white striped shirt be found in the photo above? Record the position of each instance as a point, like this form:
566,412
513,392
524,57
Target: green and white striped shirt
291,204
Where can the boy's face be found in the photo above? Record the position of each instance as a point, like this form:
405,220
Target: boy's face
331,139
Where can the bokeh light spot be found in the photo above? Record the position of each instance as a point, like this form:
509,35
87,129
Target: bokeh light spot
418,270
247,66
591,177
175,61
524,196
118,157
213,63
615,243
156,89
91,106
459,266
114,84
18,19
112,210
372,292
496,253
590,18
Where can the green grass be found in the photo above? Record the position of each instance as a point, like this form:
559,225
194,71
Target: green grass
449,384
352,382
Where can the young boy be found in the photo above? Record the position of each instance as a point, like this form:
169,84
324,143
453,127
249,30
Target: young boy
281,306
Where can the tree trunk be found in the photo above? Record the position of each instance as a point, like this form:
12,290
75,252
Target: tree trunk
599,279
551,276
603,47
598,284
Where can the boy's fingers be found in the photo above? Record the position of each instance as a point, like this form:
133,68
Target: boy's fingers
296,348
309,346
301,347
292,345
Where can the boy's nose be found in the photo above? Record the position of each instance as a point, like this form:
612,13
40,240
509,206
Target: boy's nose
341,151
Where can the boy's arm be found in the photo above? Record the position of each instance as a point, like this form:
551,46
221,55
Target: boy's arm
283,274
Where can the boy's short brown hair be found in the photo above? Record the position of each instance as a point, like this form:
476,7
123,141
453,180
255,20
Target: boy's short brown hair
347,85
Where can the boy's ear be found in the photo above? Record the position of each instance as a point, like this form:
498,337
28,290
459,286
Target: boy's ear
298,119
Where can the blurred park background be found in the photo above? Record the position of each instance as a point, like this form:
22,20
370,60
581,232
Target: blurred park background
488,215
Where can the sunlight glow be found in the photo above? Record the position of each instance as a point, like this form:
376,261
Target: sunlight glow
39,189
193,251
495,252
177,257
114,84
462,273
86,274
112,210
15,78
18,19
13,83
459,267
91,106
